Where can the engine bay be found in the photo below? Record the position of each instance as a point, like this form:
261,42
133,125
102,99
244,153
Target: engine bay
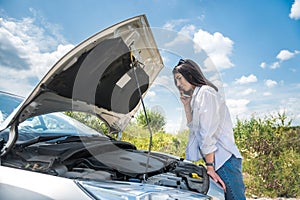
116,162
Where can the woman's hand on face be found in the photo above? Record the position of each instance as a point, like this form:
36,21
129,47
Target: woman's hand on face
187,106
185,99
211,172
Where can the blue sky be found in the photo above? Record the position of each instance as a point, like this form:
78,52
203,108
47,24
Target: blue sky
254,46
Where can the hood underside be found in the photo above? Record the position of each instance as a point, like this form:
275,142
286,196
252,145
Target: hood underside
105,75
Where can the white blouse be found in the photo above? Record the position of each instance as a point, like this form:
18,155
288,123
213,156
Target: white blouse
211,128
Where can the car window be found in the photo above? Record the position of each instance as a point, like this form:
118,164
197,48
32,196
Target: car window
55,123
48,124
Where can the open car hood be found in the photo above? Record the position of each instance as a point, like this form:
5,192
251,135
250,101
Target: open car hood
104,75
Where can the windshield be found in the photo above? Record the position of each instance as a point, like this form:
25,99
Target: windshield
48,124
8,103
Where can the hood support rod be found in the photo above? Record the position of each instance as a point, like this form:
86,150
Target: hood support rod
135,64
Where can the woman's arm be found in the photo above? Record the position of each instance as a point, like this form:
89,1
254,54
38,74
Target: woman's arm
209,159
188,113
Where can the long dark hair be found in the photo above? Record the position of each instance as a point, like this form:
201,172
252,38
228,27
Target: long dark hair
192,73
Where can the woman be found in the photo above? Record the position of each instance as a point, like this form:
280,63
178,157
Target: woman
211,132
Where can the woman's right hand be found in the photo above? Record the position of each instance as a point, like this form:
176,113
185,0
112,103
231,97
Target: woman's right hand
186,100
211,172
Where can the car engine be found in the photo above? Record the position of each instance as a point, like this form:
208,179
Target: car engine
100,162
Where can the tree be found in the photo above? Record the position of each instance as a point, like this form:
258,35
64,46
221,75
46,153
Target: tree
156,120
89,120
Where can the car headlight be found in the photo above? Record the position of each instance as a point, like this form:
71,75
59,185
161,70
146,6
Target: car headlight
114,190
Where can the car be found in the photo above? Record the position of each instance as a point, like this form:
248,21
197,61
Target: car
46,154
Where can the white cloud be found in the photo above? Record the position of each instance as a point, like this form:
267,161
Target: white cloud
246,79
263,65
295,10
183,36
27,52
11,81
275,65
151,94
265,102
270,83
286,55
170,25
282,56
217,47
248,91
237,106
188,30
164,81
266,94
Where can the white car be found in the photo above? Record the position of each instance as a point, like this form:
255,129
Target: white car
48,155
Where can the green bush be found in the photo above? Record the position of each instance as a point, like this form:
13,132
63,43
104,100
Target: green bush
156,120
271,152
89,120
161,141
270,148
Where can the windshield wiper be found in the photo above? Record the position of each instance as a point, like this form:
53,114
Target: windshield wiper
64,139
41,138
82,138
